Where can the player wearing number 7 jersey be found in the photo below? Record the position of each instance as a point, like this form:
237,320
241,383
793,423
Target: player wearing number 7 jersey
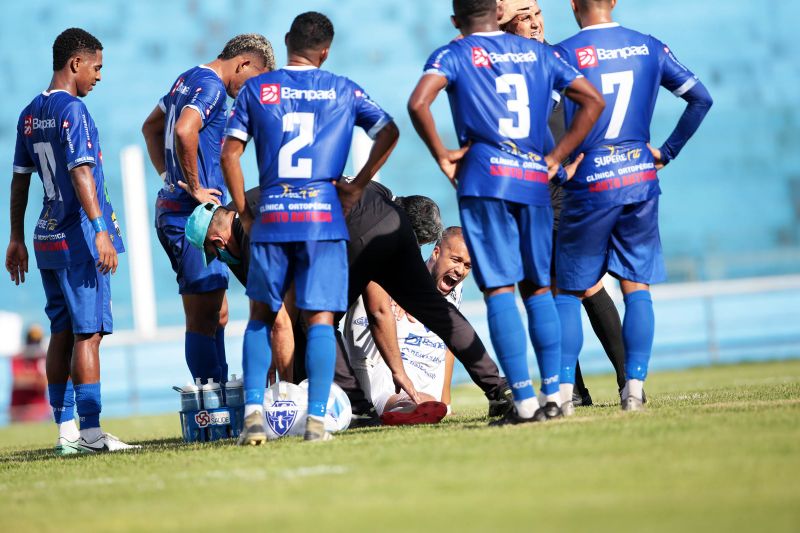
301,121
500,88
76,240
610,217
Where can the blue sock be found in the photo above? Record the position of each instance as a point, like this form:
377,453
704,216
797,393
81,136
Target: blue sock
638,330
510,345
320,363
569,313
222,361
87,399
545,331
201,356
256,358
62,400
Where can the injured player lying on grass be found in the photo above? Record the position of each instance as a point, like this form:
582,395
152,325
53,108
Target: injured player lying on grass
380,335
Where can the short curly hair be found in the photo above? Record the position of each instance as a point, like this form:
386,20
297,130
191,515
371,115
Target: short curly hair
250,43
70,42
309,31
424,216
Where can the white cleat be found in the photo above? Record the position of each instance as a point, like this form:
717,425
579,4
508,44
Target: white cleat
67,447
632,403
106,442
568,408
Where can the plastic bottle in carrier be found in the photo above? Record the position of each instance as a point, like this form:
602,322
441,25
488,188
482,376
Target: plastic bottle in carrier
234,392
212,395
190,398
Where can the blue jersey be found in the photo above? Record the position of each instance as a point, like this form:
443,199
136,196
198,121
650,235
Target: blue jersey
628,68
500,88
198,88
301,120
55,134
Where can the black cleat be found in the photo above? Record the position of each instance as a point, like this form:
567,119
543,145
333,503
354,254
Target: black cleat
550,410
582,398
501,401
368,418
511,418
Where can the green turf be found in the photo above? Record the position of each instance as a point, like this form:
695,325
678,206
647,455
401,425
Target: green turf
718,450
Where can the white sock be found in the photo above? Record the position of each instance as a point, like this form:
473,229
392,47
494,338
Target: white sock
526,407
565,390
91,434
69,430
556,397
635,387
251,408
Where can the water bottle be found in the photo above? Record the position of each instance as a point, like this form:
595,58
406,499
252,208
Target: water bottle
190,397
212,395
234,392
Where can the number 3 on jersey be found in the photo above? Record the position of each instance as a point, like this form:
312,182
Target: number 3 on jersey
287,168
519,105
625,81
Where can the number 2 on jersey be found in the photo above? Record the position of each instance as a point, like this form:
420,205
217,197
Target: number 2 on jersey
625,81
304,122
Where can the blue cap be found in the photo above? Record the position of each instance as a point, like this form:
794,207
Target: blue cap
197,228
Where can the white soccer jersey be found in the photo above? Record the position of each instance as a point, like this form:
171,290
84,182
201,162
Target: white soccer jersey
422,351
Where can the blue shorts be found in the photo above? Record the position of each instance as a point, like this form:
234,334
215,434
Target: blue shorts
621,239
318,268
187,261
508,242
78,298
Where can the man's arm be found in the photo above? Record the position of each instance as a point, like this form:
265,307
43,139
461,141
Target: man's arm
419,108
17,252
449,363
86,191
385,141
383,328
231,165
187,139
591,105
153,132
698,101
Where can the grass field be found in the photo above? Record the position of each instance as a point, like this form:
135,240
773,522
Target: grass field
718,450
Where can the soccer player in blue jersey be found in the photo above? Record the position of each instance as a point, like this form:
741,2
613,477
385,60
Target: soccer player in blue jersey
301,120
184,135
610,217
76,240
500,88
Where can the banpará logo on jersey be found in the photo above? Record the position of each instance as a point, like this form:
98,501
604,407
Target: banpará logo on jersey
281,416
617,156
31,123
270,93
589,56
513,57
311,94
480,58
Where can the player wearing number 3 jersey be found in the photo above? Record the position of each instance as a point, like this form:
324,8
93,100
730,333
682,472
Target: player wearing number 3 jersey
500,88
609,220
301,120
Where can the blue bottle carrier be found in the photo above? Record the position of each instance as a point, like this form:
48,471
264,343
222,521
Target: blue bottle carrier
210,412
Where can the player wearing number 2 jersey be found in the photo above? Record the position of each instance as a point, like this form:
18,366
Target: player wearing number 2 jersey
500,88
301,121
184,135
610,217
76,240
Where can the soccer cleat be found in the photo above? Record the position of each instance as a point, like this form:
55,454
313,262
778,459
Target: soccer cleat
254,433
423,413
368,418
632,403
106,442
582,398
501,401
67,447
315,430
568,408
551,410
623,393
511,418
